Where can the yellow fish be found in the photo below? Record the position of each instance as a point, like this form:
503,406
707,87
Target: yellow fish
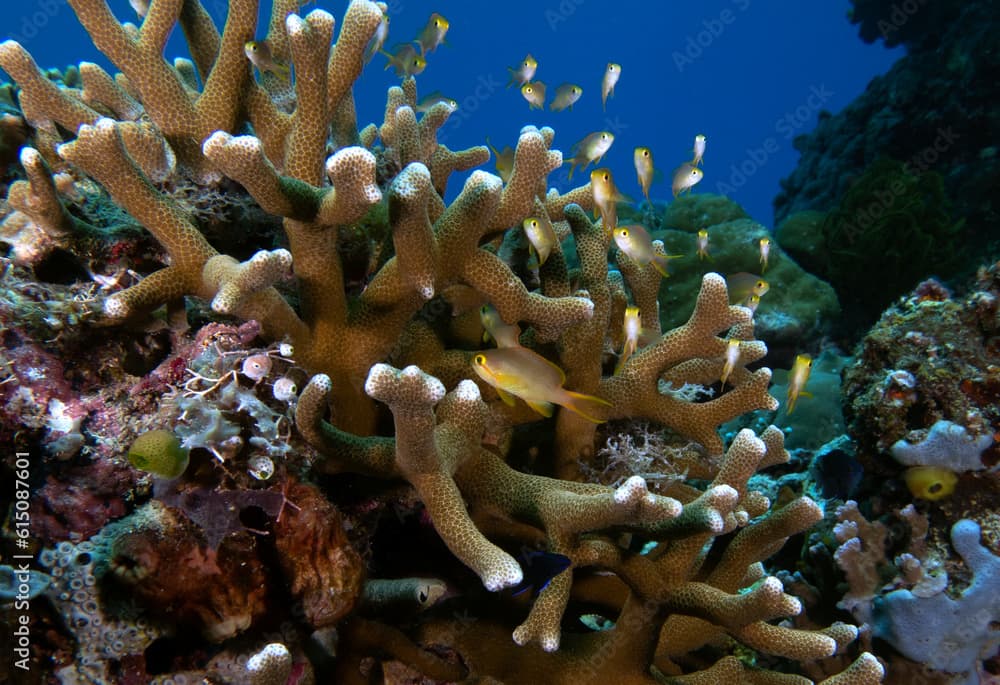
636,243
699,149
797,379
259,54
534,93
606,198
765,252
504,161
520,372
542,237
742,286
523,72
405,60
378,38
591,149
643,158
686,176
631,329
495,328
566,95
702,244
612,73
433,33
431,99
732,358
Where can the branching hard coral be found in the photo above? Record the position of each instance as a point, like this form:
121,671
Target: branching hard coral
679,573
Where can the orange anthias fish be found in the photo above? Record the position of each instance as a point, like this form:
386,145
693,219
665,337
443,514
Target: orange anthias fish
520,372
797,379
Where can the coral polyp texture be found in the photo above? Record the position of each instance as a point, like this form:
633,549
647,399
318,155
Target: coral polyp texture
315,372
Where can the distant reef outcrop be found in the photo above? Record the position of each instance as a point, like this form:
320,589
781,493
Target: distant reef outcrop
935,110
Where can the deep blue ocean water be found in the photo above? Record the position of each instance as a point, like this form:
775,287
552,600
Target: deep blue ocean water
749,74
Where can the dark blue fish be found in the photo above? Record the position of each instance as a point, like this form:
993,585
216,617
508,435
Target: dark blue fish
539,567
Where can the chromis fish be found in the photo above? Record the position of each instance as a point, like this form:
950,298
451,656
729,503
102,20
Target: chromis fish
534,93
686,176
495,328
432,34
431,99
742,286
612,73
701,243
504,161
643,158
765,252
797,379
405,60
752,303
141,7
636,243
591,148
523,72
699,149
260,55
631,329
542,237
606,198
378,38
732,358
539,569
520,372
566,95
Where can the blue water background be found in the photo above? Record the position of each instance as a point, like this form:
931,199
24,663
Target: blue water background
749,74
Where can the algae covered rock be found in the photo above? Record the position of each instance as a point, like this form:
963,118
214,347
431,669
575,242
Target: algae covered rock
798,304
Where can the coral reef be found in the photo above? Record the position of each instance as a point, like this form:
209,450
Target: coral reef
912,114
344,390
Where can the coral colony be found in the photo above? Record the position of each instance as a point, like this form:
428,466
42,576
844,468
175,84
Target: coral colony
286,454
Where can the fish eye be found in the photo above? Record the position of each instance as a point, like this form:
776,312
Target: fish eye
606,177
624,233
485,308
479,359
761,284
604,136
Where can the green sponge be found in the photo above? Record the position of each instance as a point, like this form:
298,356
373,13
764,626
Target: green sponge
159,452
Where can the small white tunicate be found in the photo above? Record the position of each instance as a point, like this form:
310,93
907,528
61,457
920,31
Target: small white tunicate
286,350
285,389
261,467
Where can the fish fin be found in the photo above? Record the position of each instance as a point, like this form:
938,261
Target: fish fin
507,398
543,408
805,393
282,71
486,336
572,167
659,262
585,405
627,351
